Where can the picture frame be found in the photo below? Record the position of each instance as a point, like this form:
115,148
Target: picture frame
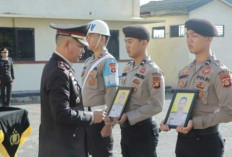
180,109
120,102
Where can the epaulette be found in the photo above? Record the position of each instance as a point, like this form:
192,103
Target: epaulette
87,60
62,65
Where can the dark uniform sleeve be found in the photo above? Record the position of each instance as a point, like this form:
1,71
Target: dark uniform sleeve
59,95
12,70
223,89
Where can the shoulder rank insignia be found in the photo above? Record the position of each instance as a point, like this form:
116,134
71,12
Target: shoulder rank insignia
61,65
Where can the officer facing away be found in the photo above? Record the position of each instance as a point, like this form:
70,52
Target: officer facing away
139,133
99,83
201,137
6,77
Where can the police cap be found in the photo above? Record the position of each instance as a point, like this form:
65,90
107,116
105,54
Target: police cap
202,27
74,31
136,31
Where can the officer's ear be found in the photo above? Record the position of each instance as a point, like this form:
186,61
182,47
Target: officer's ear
145,42
209,39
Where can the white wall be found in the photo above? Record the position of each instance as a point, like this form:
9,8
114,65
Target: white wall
170,54
71,8
219,14
28,75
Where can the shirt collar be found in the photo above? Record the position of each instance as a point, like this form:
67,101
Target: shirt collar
70,63
103,53
5,59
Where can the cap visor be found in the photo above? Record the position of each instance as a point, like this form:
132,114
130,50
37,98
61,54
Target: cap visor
83,42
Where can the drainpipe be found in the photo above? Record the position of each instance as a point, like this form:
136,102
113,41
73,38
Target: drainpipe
135,8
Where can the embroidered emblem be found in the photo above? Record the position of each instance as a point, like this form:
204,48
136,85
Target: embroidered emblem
142,70
186,70
136,81
200,85
156,82
206,70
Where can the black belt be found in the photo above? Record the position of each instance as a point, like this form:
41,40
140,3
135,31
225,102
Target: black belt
127,123
201,132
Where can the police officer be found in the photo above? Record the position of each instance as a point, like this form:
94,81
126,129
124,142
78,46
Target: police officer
6,77
63,121
99,83
139,133
201,137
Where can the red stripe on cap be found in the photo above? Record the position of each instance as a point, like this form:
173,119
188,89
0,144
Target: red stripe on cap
69,32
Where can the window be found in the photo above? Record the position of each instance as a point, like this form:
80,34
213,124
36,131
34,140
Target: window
158,32
220,29
177,31
19,42
113,46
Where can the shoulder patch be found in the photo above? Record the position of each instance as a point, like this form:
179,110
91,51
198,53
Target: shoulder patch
110,73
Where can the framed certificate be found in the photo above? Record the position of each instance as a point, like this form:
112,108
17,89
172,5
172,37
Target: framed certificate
119,102
181,106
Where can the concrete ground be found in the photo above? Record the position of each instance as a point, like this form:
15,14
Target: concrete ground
166,146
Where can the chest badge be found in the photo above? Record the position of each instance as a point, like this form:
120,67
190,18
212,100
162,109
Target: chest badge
91,73
126,68
200,85
136,81
142,70
186,70
206,71
91,81
181,84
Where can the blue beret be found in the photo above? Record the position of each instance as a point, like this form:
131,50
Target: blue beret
202,27
136,31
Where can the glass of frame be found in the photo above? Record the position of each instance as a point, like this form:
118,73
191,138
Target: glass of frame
119,102
181,106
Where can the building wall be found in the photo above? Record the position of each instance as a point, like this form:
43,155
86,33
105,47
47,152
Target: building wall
72,8
219,14
170,54
28,75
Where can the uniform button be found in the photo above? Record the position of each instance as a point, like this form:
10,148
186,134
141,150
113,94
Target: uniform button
74,135
77,100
